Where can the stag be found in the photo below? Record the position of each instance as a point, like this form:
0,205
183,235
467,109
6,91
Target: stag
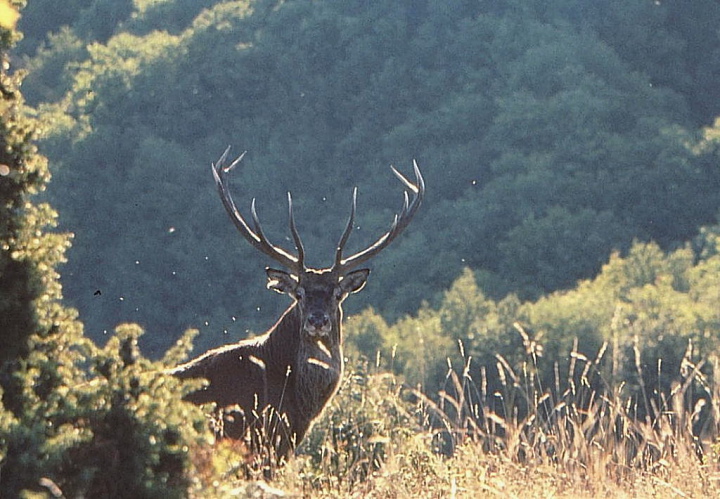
267,390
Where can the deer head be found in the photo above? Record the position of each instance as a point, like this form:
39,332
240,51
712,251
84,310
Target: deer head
318,293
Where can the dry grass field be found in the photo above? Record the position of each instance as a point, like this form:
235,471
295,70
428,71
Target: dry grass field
381,440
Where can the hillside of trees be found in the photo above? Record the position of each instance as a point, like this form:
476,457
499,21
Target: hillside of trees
550,134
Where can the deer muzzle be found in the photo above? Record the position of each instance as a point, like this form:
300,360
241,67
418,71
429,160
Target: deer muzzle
318,324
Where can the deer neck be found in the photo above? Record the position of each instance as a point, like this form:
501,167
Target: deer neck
283,339
319,367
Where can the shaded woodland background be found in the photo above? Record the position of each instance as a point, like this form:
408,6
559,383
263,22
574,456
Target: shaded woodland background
550,134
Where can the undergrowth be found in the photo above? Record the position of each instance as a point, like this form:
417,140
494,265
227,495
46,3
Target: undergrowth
582,436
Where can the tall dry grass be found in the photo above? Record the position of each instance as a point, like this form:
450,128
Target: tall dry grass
586,435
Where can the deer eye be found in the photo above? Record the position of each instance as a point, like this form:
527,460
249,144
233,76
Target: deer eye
300,293
338,293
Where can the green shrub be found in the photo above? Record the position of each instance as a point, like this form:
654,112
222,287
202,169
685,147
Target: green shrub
99,422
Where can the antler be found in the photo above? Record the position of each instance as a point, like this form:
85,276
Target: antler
400,221
255,235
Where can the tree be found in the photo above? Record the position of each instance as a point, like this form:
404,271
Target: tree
74,418
29,254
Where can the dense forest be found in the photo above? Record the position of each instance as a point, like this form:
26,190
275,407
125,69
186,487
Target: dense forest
553,307
550,134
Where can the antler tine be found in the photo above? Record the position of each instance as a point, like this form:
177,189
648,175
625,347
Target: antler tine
258,227
295,233
346,233
400,222
255,237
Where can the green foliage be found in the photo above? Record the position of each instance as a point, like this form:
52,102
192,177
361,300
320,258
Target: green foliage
98,422
49,71
674,34
540,130
368,421
365,333
168,15
415,347
648,309
75,420
40,18
101,18
542,251
28,254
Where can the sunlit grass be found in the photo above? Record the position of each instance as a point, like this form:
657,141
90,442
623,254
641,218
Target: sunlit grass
582,437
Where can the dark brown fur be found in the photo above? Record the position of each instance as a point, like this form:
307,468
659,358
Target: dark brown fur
270,388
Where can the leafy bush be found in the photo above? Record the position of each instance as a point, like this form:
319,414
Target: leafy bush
96,422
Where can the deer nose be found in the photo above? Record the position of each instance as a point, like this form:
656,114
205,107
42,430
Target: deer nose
318,322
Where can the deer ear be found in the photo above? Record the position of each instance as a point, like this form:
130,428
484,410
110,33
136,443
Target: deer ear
354,281
280,281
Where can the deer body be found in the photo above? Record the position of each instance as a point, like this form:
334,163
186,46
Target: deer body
287,375
269,389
